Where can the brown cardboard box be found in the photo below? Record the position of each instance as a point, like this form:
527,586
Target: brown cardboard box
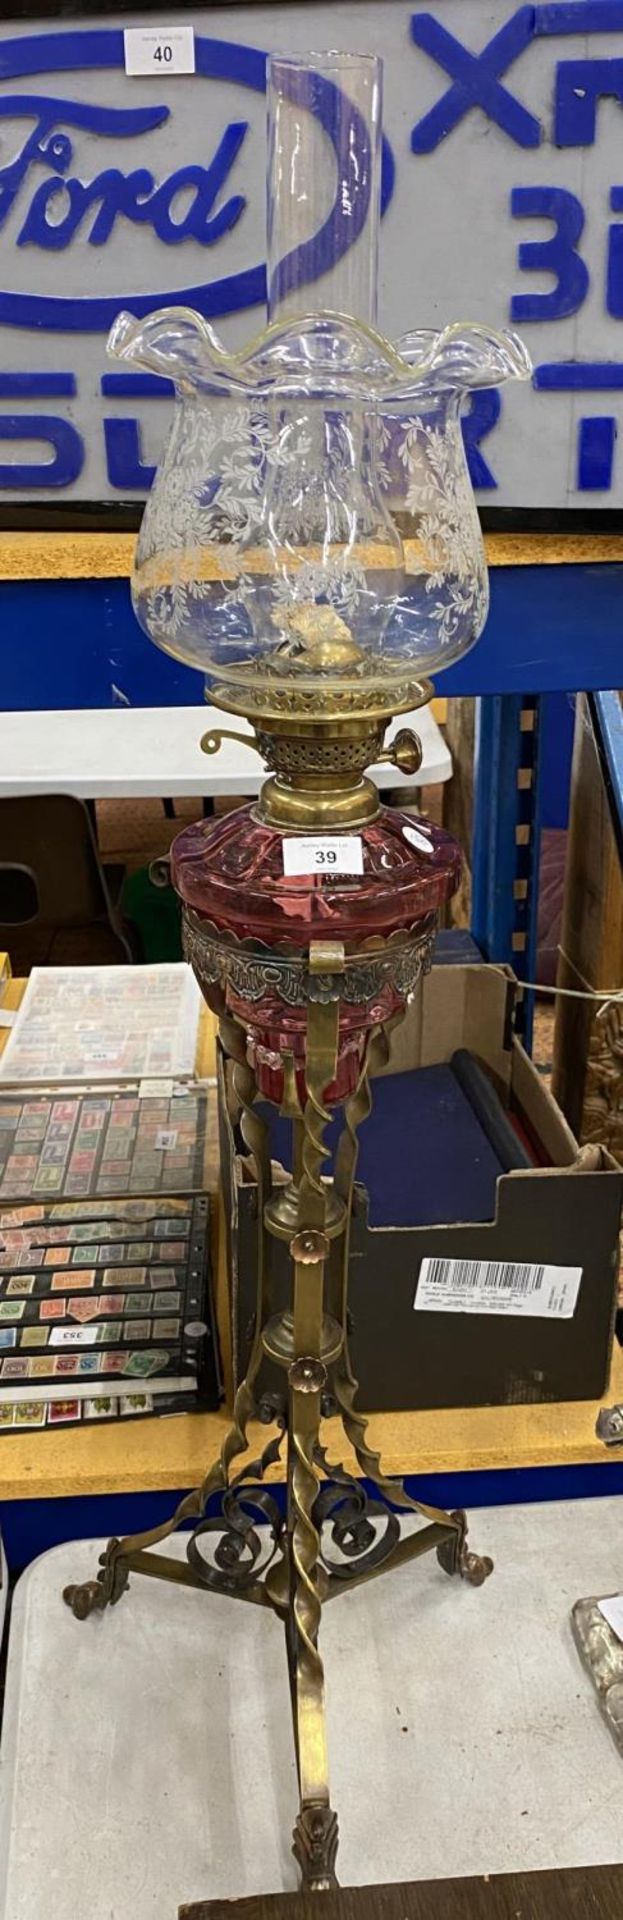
566,1214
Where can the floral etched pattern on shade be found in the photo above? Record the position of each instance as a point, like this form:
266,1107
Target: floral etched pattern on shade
447,591
313,517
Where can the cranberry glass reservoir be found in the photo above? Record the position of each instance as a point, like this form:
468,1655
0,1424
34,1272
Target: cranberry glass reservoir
249,926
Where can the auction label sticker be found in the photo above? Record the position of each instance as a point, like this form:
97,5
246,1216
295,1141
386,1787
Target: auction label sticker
323,853
158,50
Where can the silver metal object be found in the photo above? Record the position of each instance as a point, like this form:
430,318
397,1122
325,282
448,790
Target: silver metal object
609,1426
601,1653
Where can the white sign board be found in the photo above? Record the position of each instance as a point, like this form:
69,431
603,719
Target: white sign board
504,202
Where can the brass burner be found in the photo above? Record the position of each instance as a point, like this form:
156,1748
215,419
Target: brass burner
318,748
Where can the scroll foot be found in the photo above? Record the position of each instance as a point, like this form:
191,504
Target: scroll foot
315,1842
94,1595
456,1557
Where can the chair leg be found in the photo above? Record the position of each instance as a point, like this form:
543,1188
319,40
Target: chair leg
91,807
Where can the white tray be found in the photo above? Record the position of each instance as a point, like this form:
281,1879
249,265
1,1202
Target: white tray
147,1754
154,750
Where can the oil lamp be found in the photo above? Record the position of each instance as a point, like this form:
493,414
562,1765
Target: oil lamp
311,542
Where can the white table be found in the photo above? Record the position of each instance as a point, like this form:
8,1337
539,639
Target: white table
147,1753
101,754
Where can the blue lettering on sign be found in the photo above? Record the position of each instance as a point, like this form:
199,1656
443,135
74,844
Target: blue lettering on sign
580,84
482,414
476,76
136,386
578,16
476,81
53,149
578,376
614,272
53,206
135,195
125,466
67,444
596,454
113,195
596,434
30,386
557,255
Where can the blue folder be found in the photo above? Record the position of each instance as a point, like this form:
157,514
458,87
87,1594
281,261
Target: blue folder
429,1154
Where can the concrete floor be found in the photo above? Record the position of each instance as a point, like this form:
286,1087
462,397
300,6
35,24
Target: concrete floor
147,1754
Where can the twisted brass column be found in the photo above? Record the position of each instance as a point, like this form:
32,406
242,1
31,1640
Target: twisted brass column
284,1563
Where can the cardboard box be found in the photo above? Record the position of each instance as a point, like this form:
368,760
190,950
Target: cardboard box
565,1214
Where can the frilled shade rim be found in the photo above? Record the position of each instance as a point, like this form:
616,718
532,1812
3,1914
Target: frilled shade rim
319,353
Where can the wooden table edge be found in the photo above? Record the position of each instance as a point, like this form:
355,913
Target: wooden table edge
55,556
167,1454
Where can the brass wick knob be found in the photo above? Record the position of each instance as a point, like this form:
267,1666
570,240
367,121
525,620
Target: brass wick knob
405,752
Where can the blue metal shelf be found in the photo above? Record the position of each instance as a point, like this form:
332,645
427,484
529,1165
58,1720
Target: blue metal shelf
76,643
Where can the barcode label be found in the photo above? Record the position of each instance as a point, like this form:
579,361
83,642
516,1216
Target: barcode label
497,1286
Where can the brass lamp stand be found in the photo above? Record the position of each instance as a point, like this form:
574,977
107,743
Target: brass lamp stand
284,1563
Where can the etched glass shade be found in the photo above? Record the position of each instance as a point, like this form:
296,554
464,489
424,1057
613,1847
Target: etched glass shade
312,528
311,543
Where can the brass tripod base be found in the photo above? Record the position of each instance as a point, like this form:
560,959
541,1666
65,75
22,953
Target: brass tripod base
333,1533
265,1566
